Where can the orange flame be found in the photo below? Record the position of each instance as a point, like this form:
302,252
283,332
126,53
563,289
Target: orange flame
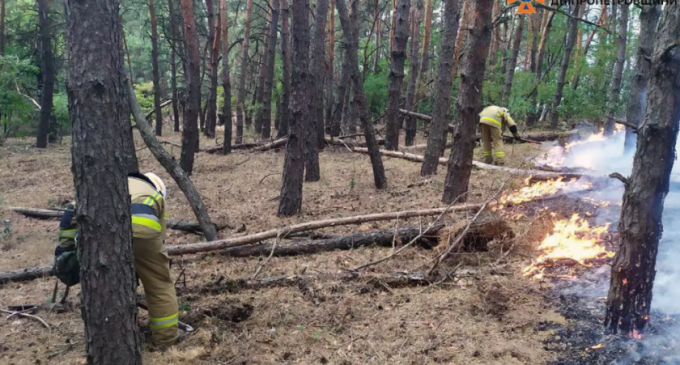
574,240
635,334
598,346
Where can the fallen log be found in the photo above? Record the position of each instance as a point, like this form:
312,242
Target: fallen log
37,272
336,142
383,238
272,145
240,146
535,174
163,104
308,226
191,227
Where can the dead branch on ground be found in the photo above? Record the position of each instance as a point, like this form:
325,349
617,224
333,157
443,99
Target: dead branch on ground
26,315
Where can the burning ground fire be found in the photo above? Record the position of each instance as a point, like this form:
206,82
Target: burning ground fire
573,241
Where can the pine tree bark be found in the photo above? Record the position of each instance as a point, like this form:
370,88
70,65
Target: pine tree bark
393,26
427,31
213,50
330,101
378,45
226,79
534,112
285,69
293,169
156,73
173,62
512,63
640,227
100,118
241,92
649,17
468,105
193,81
350,37
615,90
566,58
262,77
436,140
396,78
460,38
266,116
343,89
47,71
2,27
414,72
318,71
496,38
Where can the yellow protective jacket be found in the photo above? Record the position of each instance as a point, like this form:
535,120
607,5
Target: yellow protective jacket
496,117
147,208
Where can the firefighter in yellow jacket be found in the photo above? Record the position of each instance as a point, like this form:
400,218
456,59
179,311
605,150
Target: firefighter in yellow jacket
147,193
491,120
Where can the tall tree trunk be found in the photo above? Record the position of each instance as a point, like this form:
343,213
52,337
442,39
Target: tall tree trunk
156,73
649,17
618,70
293,169
318,71
331,67
640,227
374,27
586,47
285,69
47,71
414,72
262,77
534,113
460,38
350,37
173,62
378,45
101,122
427,31
508,31
393,26
496,39
343,90
241,92
468,105
213,49
2,27
512,63
266,116
193,80
562,78
436,141
396,80
226,79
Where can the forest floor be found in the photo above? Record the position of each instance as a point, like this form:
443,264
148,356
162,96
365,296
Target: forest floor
483,316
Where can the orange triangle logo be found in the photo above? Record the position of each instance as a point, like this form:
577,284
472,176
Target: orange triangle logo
526,8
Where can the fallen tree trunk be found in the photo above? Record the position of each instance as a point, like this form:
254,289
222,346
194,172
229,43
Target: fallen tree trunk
272,145
172,167
164,104
26,274
191,227
336,142
240,146
383,237
540,137
535,174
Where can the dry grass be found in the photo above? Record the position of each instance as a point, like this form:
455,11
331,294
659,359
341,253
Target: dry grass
480,318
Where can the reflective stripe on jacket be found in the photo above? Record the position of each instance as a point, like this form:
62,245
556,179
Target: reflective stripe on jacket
147,211
496,117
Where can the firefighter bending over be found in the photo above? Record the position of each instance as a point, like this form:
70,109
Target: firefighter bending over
491,120
152,263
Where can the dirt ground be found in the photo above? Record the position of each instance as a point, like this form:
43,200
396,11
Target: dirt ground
482,316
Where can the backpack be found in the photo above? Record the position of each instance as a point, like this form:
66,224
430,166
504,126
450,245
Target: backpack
66,266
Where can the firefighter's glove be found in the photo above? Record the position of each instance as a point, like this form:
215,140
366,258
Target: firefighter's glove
515,133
